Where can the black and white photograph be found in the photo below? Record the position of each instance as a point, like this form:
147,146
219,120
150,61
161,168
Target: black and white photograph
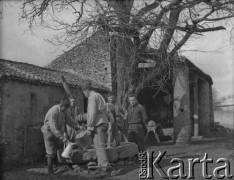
116,89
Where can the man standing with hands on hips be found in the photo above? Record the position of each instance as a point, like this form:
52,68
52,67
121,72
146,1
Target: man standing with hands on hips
97,124
54,130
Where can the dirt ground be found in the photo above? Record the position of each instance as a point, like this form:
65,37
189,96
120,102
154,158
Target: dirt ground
221,147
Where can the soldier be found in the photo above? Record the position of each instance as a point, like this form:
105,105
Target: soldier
73,111
97,124
137,118
54,130
118,125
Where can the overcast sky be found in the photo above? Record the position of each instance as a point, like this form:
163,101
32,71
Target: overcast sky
18,44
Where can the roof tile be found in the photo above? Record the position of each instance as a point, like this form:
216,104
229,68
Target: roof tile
36,74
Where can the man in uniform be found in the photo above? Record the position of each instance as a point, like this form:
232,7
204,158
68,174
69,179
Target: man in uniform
73,111
54,130
137,118
118,125
97,124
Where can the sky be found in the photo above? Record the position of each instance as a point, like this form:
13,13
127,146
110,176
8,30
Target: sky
212,53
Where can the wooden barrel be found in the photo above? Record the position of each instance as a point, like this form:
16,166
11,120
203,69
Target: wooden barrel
83,140
81,118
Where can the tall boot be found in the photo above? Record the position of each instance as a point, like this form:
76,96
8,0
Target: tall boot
55,163
50,163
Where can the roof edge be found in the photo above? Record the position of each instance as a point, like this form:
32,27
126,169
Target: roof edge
33,81
198,70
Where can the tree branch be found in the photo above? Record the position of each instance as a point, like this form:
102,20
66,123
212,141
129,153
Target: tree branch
122,9
219,19
173,19
218,28
196,29
205,16
181,43
144,10
146,37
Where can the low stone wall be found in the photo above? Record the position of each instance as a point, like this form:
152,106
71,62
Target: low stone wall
124,151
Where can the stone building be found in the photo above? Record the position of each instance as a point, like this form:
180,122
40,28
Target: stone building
187,107
91,58
26,94
192,95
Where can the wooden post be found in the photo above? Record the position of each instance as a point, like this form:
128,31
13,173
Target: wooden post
195,115
66,86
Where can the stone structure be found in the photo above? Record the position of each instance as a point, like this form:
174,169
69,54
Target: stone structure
26,94
91,58
195,112
124,151
202,114
181,105
188,107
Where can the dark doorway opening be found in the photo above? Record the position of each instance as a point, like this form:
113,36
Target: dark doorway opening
158,104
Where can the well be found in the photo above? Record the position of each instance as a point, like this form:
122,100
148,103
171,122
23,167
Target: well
125,150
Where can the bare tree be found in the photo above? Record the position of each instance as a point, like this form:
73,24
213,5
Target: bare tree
140,29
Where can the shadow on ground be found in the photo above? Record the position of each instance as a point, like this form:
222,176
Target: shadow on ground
39,173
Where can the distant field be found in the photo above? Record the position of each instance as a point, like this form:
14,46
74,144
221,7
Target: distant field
225,118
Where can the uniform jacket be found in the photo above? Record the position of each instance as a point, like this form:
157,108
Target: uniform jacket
96,112
56,120
137,114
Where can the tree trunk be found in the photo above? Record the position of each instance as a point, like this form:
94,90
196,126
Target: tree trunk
123,58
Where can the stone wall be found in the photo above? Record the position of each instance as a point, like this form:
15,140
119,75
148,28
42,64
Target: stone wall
89,59
204,107
211,110
181,105
24,106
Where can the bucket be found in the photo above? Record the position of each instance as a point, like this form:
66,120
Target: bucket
81,118
67,151
83,140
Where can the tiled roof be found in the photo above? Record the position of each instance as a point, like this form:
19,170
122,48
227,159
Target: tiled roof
40,75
